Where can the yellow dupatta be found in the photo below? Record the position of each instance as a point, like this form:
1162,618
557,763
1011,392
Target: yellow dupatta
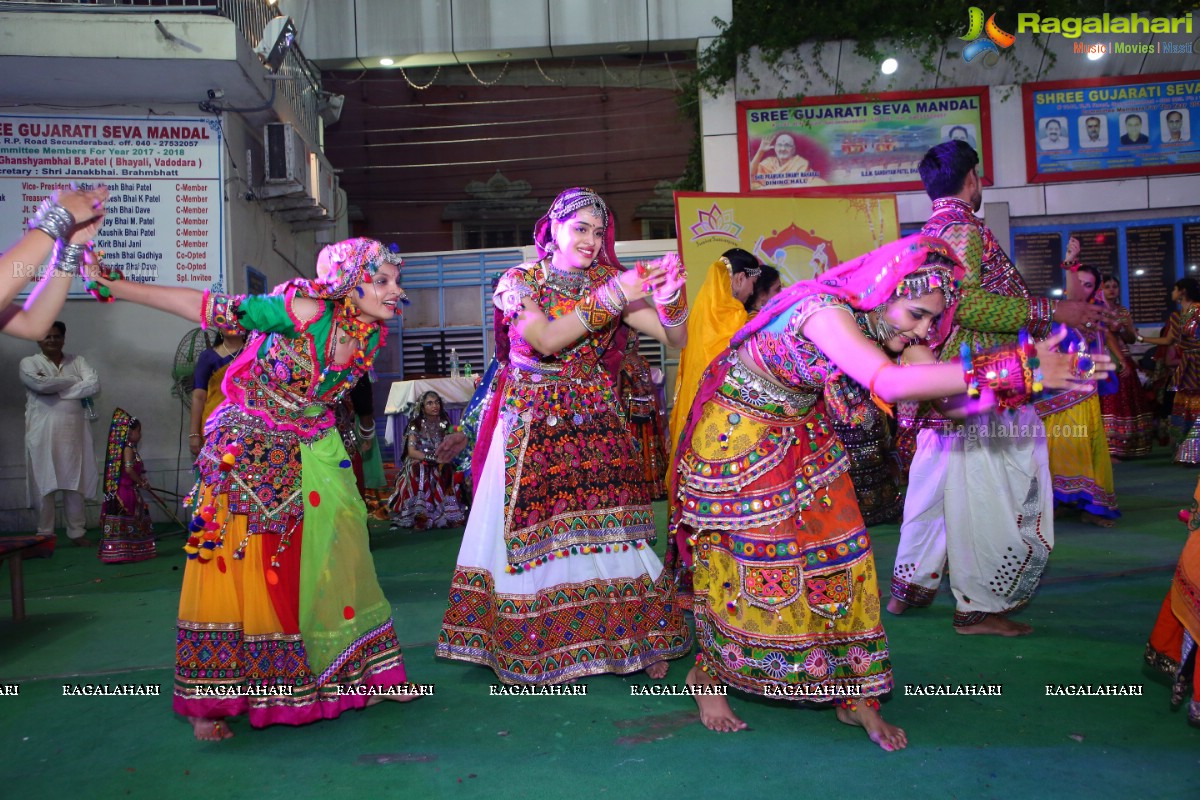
715,317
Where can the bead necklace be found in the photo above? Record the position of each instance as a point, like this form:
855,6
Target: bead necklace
354,327
570,283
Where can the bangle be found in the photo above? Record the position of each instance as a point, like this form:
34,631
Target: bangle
52,220
1011,372
365,432
674,311
883,406
1140,338
599,307
67,257
193,436
1071,266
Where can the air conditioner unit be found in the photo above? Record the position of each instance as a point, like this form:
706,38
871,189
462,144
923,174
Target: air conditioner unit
323,184
286,161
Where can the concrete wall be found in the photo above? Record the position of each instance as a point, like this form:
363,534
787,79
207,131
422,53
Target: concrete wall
133,348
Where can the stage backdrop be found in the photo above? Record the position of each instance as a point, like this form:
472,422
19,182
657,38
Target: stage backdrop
801,236
870,142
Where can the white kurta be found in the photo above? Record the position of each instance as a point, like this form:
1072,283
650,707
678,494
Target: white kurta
58,438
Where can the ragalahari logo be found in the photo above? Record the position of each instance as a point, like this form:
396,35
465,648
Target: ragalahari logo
994,38
715,222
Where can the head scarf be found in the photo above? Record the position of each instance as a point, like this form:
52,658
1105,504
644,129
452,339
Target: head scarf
912,266
114,455
343,265
565,206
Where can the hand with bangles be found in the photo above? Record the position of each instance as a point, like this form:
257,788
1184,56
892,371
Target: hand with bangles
1070,370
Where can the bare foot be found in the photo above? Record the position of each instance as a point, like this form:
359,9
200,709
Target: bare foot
715,712
658,670
1098,521
210,730
887,736
897,606
995,625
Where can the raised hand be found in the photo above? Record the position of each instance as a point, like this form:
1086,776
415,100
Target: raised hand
1070,370
1073,248
674,277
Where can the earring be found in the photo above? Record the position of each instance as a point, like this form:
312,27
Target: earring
881,331
549,247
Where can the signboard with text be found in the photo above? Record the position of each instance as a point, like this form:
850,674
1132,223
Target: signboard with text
825,145
1112,127
165,212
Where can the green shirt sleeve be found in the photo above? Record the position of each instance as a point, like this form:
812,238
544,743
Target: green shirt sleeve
979,309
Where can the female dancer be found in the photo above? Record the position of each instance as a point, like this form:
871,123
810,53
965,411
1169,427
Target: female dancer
642,411
1172,647
124,516
1128,419
1080,464
786,598
426,495
555,580
1184,334
281,615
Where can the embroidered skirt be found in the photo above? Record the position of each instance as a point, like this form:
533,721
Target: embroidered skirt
286,628
786,594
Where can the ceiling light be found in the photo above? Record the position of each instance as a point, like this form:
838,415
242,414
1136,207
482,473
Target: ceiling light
386,62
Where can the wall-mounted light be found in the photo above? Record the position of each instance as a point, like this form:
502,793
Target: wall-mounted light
889,66
1095,55
1139,272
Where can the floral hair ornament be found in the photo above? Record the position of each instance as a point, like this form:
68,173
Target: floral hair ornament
341,266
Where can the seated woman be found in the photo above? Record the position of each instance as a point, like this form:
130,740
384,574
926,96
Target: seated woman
427,493
786,599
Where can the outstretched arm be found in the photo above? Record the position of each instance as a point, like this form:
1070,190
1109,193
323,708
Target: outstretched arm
19,263
34,318
837,335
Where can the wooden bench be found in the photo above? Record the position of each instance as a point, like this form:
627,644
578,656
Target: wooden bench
16,549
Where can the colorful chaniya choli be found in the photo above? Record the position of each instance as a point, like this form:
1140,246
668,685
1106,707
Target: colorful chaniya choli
786,592
556,578
281,614
1080,462
1184,328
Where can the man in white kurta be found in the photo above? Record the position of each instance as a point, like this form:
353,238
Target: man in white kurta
58,438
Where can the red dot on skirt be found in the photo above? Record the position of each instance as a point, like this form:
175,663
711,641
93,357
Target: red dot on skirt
272,577
314,499
348,612
221,563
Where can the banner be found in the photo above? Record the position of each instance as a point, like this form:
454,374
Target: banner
165,220
800,236
859,141
1111,127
